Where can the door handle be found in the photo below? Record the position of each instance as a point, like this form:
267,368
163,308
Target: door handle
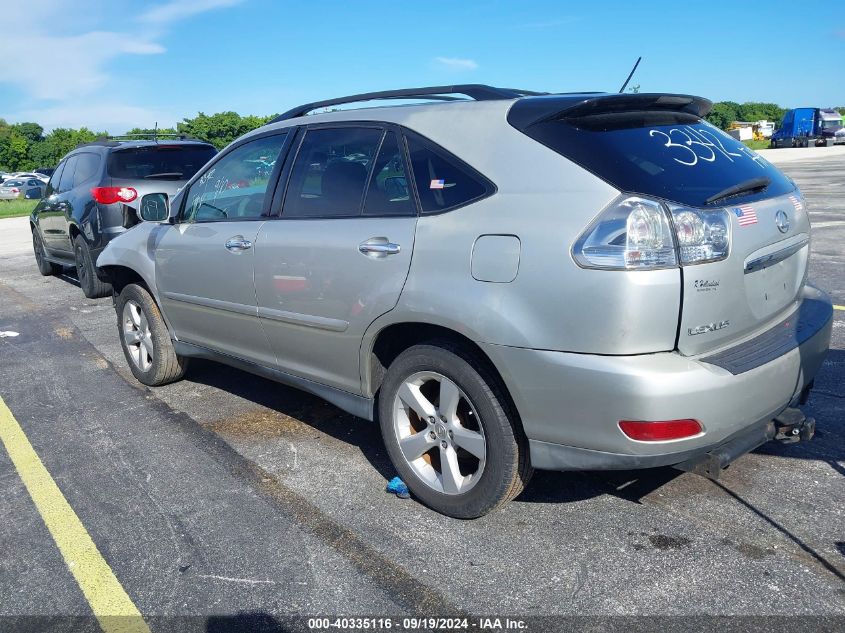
379,247
237,244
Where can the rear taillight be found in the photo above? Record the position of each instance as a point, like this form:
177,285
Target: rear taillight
702,235
632,234
660,431
110,195
635,233
15,190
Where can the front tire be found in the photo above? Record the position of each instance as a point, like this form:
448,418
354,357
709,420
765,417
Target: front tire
145,340
449,431
91,286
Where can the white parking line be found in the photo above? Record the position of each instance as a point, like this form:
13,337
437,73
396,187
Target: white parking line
821,225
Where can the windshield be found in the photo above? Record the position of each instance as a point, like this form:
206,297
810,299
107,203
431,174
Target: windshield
831,124
159,162
669,155
13,183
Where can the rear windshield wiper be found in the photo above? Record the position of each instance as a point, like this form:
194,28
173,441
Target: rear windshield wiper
754,184
165,174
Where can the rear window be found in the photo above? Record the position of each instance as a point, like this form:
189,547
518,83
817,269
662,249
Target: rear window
669,155
161,162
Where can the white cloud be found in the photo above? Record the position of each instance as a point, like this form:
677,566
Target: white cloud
456,63
62,69
181,9
113,116
65,67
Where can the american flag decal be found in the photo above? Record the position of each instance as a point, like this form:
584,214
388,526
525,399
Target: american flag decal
746,215
437,184
796,203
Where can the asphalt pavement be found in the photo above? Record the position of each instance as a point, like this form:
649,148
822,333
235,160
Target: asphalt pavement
226,497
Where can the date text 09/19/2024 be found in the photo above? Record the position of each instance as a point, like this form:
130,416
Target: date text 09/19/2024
416,624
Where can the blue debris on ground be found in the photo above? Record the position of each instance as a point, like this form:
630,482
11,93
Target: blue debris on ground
397,486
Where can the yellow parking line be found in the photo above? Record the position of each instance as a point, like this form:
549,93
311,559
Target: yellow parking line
113,609
836,307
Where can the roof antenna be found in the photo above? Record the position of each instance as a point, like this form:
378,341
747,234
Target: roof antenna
633,70
155,129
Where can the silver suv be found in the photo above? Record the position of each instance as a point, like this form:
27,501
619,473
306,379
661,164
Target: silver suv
504,282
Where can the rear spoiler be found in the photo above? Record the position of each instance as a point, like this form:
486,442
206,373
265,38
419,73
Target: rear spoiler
530,110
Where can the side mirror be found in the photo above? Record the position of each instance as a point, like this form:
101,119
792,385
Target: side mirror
155,207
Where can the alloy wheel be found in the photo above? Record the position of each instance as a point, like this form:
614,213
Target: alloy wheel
137,336
439,433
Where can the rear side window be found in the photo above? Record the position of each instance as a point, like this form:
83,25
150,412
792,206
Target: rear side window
669,155
443,181
87,166
53,184
389,192
66,183
159,162
331,172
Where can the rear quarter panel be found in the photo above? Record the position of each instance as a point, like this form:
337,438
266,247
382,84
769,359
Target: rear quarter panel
547,201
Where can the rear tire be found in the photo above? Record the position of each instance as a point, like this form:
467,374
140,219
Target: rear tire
45,267
91,285
462,460
145,340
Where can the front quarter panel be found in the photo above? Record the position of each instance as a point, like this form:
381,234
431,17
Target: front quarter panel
135,250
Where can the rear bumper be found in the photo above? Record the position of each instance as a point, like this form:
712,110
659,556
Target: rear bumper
570,404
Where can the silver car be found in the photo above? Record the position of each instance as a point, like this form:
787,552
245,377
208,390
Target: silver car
16,188
506,282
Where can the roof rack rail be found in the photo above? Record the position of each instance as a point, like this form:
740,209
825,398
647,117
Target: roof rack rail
101,141
115,141
154,135
478,92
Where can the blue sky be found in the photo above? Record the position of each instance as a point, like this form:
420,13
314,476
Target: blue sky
111,64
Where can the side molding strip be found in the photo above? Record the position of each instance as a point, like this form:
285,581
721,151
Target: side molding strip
307,320
217,304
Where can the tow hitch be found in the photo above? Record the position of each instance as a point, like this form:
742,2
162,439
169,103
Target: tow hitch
793,426
788,427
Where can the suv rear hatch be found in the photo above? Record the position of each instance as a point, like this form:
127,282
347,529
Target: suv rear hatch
157,168
658,146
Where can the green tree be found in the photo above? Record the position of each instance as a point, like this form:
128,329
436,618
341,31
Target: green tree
59,142
14,148
148,131
755,111
222,128
32,132
723,114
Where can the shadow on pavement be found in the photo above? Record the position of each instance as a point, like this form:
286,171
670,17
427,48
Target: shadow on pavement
545,487
299,405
